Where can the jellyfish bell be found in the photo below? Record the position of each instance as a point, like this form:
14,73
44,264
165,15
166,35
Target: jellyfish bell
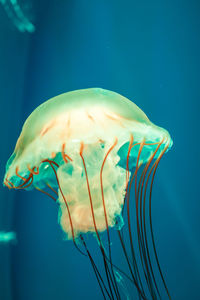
83,145
91,115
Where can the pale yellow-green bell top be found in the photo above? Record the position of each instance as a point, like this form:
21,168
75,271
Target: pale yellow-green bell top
86,116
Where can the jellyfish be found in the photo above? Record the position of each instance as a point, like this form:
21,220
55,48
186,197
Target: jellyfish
95,153
19,14
7,237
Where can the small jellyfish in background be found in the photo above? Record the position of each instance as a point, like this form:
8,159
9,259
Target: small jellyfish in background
20,13
95,153
7,237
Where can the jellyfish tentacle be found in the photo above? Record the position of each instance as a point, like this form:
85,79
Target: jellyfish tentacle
144,243
129,265
51,188
136,271
144,247
98,276
138,165
140,241
131,234
143,212
31,170
7,184
127,181
29,184
51,162
120,271
94,221
104,208
144,225
127,162
65,156
97,273
150,219
17,173
142,216
46,193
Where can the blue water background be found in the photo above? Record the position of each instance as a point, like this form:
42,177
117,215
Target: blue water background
149,52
